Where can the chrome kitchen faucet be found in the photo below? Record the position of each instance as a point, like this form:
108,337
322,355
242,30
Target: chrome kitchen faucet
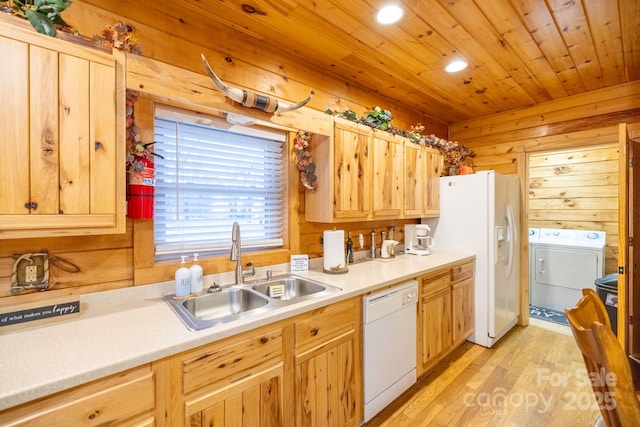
236,255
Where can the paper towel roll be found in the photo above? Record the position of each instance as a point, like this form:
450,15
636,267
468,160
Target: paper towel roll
333,244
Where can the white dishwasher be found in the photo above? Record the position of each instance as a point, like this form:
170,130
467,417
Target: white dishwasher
389,319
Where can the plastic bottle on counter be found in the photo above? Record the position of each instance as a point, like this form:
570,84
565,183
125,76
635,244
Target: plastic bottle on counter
196,276
349,249
183,279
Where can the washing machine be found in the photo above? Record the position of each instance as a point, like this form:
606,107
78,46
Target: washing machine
563,262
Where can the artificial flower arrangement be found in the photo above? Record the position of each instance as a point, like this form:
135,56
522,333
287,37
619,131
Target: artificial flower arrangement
119,36
453,153
137,150
305,165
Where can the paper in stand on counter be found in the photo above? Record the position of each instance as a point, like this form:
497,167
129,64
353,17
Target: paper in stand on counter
333,244
299,263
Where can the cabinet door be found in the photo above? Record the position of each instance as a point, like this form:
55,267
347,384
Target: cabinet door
433,168
463,311
434,318
387,187
63,154
436,326
244,369
328,365
256,400
415,183
14,137
326,387
351,171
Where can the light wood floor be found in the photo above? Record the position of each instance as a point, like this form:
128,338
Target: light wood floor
534,376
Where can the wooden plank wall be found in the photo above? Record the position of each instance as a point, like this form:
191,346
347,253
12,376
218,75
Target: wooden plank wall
577,189
77,265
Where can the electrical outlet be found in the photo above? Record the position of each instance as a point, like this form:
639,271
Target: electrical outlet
31,274
30,271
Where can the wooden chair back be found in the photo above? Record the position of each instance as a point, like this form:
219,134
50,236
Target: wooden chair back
605,360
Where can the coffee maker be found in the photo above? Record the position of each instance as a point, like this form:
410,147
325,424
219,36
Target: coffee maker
418,241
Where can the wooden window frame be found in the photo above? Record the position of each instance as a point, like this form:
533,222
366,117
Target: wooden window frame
146,270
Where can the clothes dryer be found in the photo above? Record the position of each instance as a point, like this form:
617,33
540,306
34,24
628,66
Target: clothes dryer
562,263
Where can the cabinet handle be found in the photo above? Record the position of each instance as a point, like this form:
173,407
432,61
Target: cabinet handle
31,205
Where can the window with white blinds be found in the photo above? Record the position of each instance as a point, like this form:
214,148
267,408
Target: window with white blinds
212,174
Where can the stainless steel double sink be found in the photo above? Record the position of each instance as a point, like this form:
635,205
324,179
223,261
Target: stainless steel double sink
248,299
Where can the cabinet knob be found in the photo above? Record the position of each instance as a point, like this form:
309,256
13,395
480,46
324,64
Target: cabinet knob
31,205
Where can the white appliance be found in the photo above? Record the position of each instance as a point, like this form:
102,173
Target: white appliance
480,213
389,328
561,263
418,239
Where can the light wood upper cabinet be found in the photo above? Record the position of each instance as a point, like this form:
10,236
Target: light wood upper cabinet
434,167
352,165
387,185
63,139
343,169
366,174
421,185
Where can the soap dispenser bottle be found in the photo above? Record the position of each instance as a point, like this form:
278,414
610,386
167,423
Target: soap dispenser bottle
196,276
183,279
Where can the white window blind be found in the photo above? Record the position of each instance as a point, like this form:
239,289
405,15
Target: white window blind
214,174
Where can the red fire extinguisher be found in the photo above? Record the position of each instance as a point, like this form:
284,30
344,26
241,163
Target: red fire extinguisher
141,188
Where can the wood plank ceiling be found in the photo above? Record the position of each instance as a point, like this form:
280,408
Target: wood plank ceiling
520,52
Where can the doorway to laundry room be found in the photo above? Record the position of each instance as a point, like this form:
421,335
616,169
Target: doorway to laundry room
573,226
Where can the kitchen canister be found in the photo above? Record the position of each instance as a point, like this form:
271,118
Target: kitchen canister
334,258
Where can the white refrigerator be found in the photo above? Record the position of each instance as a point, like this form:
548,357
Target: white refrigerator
480,213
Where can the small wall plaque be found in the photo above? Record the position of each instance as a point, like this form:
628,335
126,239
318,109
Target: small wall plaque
14,317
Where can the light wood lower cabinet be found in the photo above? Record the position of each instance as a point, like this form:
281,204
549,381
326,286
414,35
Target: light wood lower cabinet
462,298
434,308
445,313
252,401
328,366
124,399
235,381
301,371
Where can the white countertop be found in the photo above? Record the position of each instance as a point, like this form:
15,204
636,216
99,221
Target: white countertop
125,328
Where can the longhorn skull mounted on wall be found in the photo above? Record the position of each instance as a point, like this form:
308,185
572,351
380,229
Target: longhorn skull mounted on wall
250,99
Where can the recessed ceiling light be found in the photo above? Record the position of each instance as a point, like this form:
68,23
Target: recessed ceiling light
455,66
389,14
